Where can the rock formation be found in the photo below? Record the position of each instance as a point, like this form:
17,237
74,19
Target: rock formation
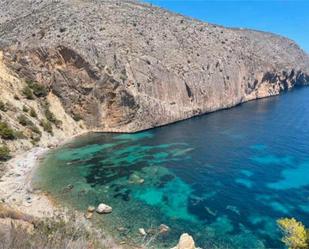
185,242
124,66
104,209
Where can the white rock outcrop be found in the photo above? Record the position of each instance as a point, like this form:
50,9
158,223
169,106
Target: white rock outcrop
104,209
185,242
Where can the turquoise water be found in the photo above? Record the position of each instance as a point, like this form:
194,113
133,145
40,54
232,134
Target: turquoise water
224,177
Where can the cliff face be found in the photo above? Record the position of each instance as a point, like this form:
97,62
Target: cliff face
124,66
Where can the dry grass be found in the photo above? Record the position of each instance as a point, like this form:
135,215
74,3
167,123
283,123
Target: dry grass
19,231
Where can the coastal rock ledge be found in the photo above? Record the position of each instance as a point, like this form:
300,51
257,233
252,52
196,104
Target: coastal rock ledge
185,242
125,66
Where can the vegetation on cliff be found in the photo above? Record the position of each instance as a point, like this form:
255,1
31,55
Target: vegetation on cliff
4,153
129,66
6,132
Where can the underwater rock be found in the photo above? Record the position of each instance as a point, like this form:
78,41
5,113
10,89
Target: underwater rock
164,229
142,231
135,179
213,213
165,179
121,229
91,209
68,188
233,209
185,242
152,231
104,209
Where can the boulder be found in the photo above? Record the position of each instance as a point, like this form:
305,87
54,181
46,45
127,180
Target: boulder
88,215
164,229
104,209
142,231
136,179
91,209
185,242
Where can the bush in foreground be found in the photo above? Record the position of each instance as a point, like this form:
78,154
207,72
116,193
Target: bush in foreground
295,235
52,233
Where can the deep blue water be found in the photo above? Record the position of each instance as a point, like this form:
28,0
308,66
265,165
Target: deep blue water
225,177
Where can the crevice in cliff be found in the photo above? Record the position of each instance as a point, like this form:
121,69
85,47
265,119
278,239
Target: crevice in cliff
189,92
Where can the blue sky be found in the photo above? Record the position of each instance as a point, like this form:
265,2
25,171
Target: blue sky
285,17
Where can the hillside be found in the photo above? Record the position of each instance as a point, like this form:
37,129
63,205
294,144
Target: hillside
123,66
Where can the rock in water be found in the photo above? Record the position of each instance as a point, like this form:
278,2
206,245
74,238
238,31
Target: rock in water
127,66
136,179
142,231
91,209
104,209
185,242
164,229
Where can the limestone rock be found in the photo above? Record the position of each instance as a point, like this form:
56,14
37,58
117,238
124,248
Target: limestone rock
185,242
142,231
135,179
125,66
91,209
104,209
89,215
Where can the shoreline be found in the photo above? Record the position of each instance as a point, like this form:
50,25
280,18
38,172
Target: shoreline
16,188
18,193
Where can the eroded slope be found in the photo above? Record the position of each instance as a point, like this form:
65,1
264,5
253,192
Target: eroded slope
125,66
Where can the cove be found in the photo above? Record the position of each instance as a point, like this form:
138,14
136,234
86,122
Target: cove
224,177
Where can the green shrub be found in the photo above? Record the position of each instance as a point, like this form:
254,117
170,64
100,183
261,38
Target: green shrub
25,109
51,117
19,135
6,132
35,140
294,232
4,153
33,113
27,92
38,89
24,121
35,135
47,126
77,117
2,106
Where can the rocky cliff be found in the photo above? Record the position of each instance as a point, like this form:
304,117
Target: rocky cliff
125,66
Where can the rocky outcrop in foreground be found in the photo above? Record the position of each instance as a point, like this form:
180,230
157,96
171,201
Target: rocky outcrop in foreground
185,242
125,66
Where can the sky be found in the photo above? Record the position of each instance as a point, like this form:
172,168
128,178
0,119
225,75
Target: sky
289,18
